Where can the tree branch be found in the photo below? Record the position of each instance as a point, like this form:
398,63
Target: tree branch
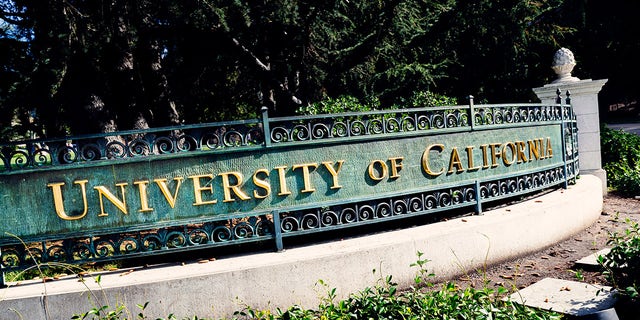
244,49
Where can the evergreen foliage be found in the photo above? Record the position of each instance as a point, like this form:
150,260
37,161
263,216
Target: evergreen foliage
74,66
621,161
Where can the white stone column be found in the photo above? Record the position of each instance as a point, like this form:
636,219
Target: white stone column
584,99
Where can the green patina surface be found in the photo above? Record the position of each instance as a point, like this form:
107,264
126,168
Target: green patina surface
29,210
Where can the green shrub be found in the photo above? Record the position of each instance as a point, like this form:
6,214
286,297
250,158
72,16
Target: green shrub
622,263
621,160
338,105
429,99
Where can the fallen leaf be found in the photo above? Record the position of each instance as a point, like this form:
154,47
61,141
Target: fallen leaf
544,257
127,273
535,274
464,220
510,277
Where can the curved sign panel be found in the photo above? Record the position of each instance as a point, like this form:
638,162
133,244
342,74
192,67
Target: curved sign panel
192,186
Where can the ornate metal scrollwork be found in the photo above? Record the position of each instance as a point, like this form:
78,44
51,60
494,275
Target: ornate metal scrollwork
375,210
45,153
501,188
122,245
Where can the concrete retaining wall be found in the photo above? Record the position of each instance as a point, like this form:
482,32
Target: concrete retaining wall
270,280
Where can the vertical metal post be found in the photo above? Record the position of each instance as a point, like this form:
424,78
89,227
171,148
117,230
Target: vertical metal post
478,202
563,132
471,111
572,126
3,284
265,126
564,154
277,228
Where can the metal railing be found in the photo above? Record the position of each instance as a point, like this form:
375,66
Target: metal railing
275,225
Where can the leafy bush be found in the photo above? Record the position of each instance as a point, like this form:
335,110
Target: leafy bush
429,99
622,263
418,99
338,105
621,160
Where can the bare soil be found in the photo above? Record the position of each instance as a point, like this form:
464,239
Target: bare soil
558,261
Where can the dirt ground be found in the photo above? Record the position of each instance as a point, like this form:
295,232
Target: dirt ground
558,260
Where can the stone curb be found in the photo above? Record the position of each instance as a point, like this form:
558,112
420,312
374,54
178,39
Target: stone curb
270,280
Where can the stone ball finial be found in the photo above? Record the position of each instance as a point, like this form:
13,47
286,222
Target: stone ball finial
563,63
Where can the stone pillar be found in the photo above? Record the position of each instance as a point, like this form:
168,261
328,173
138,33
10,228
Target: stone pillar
584,98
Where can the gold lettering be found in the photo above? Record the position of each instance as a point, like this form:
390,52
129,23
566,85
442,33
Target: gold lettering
549,148
162,184
103,192
227,187
283,182
495,155
534,150
509,161
454,160
58,200
485,156
425,159
197,189
522,157
372,170
396,166
334,172
261,183
144,196
470,159
305,175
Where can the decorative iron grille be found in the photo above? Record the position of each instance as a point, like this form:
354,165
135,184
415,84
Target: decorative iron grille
259,134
